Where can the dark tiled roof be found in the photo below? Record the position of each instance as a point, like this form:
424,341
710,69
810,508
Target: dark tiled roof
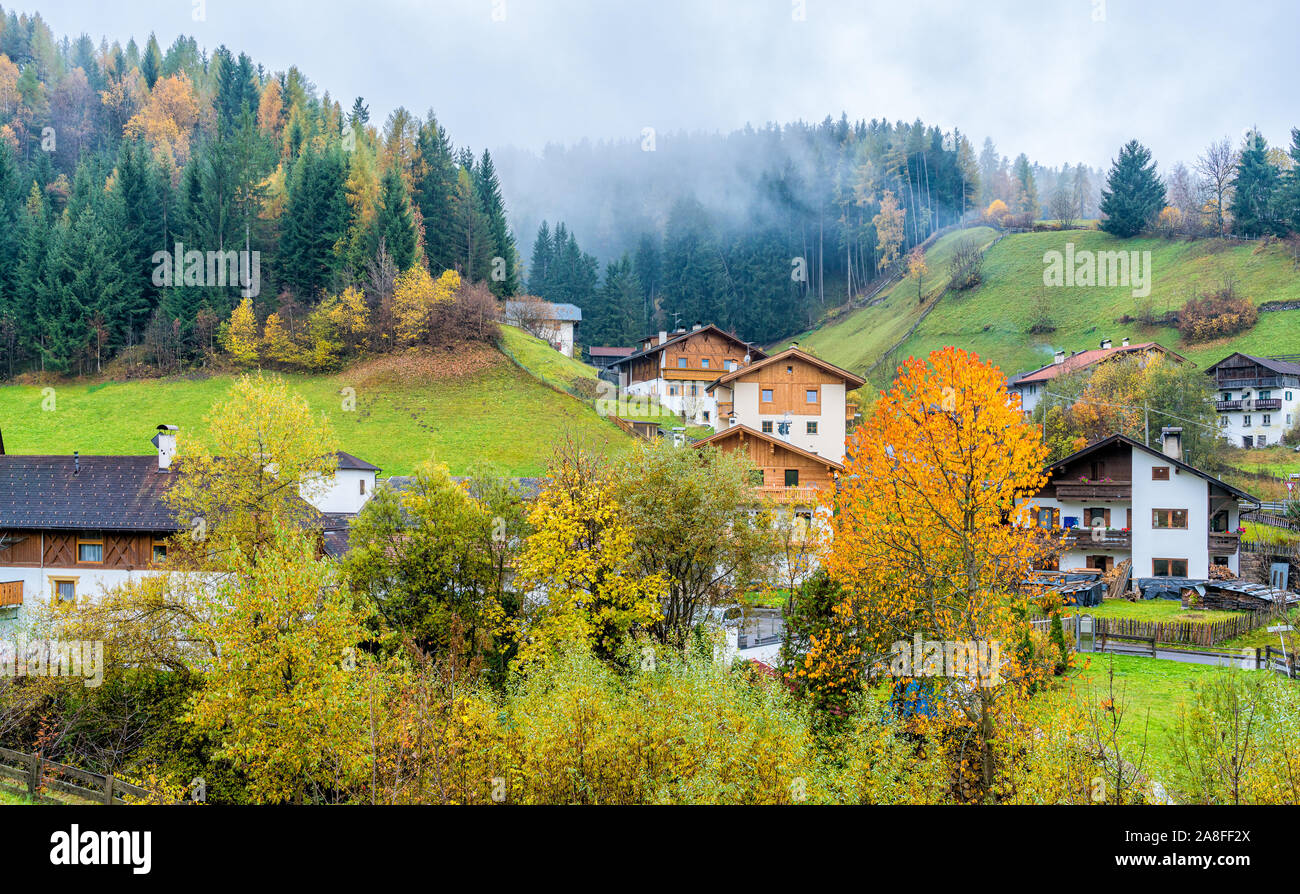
111,493
1281,367
348,461
755,352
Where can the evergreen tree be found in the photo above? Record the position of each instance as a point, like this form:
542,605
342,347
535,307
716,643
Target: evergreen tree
502,242
543,256
472,237
394,223
435,194
152,62
695,282
1134,194
1255,190
1290,196
315,220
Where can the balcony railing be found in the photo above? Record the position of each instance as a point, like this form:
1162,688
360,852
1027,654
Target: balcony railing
1227,382
804,496
1098,538
1224,542
1223,406
1094,490
11,593
1262,403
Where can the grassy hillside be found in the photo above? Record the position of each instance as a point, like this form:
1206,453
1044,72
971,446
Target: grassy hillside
460,407
994,318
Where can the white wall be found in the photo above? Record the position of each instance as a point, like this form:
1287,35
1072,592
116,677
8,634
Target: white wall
1183,490
1280,421
38,585
831,424
343,492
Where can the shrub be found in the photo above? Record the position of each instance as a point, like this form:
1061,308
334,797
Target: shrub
1217,315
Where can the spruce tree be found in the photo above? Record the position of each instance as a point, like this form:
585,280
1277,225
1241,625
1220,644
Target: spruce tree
1255,190
543,256
1134,194
435,194
502,242
394,223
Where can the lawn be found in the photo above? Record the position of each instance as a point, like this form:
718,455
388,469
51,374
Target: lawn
994,318
1151,689
459,407
1151,610
8,796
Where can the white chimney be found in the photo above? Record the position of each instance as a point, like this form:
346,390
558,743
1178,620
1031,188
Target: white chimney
1171,442
165,441
698,325
1125,341
1059,358
1105,344
663,336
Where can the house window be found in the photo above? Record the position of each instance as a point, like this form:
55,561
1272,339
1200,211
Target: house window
791,477
704,363
90,548
363,487
728,365
1169,568
1159,473
1289,397
767,395
1227,395
1245,420
790,370
1261,441
1096,516
1223,421
672,390
812,428
681,363
767,427
811,395
1268,419
695,390
159,551
1219,523
1169,518
705,414
65,588
1265,395
1247,441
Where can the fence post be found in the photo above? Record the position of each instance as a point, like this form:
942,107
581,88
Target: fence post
34,779
1257,659
108,789
1153,646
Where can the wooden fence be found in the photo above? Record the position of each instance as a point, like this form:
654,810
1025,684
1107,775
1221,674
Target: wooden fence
1191,633
34,775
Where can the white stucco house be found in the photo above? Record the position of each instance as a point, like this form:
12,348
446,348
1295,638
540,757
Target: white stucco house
1258,399
555,324
1120,499
1032,386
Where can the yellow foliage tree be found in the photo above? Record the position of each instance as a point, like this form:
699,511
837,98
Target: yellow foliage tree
416,298
241,334
167,120
277,342
933,538
581,554
889,230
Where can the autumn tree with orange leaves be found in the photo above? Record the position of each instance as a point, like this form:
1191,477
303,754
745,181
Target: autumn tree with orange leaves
933,536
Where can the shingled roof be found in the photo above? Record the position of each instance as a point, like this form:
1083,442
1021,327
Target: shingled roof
112,493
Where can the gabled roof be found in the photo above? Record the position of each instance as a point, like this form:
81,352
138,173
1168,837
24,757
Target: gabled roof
1085,359
851,380
102,493
734,430
1282,367
1125,439
607,351
753,350
348,461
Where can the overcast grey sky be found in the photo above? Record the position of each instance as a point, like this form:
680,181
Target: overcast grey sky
1062,80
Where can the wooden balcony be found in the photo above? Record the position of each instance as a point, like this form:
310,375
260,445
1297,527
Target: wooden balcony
1226,406
800,496
1262,403
1222,542
11,593
1094,490
1084,538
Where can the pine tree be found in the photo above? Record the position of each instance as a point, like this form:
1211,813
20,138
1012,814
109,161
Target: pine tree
473,240
1134,194
1290,198
152,62
315,220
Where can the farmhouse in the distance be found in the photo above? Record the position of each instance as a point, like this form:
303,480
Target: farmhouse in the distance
1258,400
552,323
1119,499
675,369
1032,385
73,526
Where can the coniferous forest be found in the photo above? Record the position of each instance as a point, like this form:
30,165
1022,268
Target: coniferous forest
111,155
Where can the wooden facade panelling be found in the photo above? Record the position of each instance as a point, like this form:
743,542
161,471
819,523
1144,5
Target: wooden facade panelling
126,550
773,460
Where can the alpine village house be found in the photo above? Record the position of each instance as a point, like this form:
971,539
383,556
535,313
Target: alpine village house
73,526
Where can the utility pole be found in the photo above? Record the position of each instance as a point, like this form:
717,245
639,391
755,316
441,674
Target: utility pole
1146,423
